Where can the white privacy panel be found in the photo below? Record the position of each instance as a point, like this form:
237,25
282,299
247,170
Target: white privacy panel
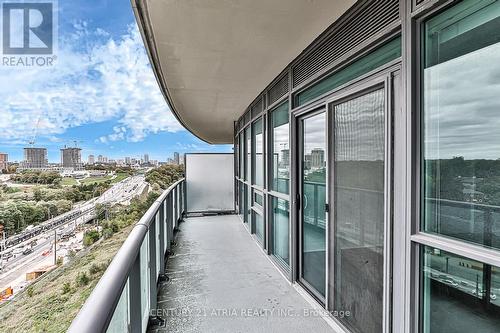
209,182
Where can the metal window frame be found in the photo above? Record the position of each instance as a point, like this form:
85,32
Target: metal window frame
380,81
321,109
414,18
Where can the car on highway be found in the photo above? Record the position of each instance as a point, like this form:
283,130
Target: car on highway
27,250
7,255
17,251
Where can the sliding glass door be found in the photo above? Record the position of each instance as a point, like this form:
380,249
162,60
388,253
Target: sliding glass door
313,199
359,204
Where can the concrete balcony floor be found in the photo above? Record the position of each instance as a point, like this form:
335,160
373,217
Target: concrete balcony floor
221,281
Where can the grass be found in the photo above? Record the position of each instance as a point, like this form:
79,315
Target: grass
90,180
119,177
68,181
51,303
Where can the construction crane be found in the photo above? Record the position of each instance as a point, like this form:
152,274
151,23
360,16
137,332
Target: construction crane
32,141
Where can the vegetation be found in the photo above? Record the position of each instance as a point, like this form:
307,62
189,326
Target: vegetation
57,297
90,237
464,180
37,177
31,206
93,180
68,181
165,175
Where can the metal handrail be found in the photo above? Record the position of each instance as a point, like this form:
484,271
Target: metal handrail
97,312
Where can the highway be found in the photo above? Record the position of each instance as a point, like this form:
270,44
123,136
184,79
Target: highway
16,267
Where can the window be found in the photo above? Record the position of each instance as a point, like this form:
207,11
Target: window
461,123
313,201
241,205
459,295
258,146
248,150
280,229
248,206
258,199
259,226
460,169
241,152
280,149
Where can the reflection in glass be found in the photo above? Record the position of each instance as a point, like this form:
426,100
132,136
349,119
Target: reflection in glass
359,210
459,295
280,218
258,141
248,197
241,205
314,199
461,123
248,150
280,149
259,226
242,155
258,199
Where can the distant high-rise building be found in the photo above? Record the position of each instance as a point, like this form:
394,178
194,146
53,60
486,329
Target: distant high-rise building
127,161
176,158
100,159
91,159
4,160
285,157
317,158
71,157
146,158
104,159
35,158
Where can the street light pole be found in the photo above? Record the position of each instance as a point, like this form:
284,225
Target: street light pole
55,246
2,246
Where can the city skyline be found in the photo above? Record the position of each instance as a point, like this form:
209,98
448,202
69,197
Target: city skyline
72,157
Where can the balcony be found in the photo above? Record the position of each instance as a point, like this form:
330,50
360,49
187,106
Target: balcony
194,274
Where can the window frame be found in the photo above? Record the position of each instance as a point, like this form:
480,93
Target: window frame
417,238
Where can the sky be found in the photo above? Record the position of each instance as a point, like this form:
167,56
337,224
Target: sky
101,93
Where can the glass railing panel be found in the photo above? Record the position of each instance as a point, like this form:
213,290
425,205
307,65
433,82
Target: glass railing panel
144,263
121,317
157,239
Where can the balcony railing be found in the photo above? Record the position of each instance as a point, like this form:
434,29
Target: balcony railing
124,296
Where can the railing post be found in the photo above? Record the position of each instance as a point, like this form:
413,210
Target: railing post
135,296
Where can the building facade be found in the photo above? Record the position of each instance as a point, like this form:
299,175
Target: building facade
4,162
367,166
35,158
71,158
91,159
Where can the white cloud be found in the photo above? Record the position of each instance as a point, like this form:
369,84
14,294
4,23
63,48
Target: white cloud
96,79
